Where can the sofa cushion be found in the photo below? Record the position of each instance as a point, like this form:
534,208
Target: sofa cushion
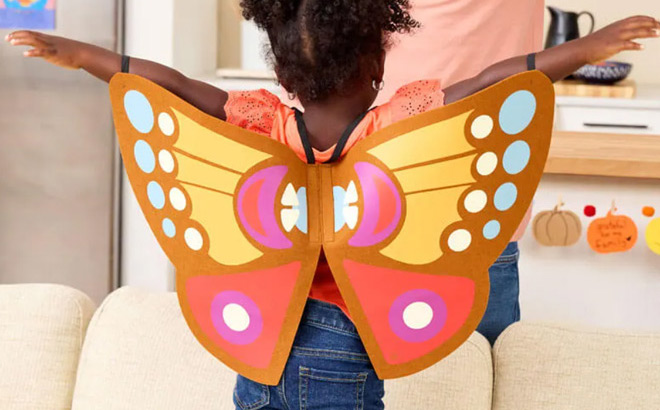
463,380
549,367
140,355
41,334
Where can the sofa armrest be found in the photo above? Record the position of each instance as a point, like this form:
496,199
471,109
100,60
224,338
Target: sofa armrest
42,328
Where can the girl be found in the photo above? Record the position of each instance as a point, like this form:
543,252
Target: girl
329,54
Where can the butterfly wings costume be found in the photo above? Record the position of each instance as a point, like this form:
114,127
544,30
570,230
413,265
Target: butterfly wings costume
410,220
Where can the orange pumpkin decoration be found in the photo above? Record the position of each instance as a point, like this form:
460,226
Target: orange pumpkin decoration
557,227
613,233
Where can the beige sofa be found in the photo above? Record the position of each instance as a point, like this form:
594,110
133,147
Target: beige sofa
136,353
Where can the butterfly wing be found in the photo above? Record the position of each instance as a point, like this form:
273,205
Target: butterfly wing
438,197
228,207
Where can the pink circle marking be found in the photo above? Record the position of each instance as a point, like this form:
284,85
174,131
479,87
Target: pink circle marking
246,336
408,334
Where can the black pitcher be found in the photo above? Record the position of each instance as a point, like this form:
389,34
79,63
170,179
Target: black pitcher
564,26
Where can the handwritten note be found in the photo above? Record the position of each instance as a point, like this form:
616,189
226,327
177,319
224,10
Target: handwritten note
614,233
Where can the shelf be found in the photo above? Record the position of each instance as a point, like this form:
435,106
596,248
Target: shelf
612,155
647,97
573,88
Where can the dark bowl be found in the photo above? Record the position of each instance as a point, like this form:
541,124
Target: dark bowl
608,72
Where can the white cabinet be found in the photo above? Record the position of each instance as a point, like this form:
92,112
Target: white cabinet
640,115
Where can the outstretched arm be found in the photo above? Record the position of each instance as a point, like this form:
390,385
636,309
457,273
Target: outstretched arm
103,64
561,61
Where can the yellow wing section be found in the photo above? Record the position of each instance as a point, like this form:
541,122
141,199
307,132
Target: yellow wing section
185,173
438,139
467,172
432,180
418,242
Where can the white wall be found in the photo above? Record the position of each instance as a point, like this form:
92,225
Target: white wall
578,285
174,33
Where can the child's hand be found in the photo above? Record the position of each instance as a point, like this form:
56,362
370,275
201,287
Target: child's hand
56,50
618,37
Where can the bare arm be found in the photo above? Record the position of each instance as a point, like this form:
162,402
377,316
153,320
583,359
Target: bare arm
561,61
103,64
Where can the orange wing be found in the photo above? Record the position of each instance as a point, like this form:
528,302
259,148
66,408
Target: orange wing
424,208
229,209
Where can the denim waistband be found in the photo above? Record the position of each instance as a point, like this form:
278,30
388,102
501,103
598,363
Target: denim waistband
325,314
510,254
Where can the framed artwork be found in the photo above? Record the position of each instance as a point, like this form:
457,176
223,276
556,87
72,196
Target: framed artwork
27,14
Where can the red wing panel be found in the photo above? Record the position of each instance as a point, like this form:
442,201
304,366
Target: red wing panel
243,313
414,317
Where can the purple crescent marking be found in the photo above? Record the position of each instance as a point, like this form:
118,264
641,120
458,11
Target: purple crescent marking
365,235
418,335
274,238
248,335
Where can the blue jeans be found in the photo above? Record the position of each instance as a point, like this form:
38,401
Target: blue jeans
503,306
328,369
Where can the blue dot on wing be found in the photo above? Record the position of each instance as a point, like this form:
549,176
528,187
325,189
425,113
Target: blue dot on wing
516,157
144,156
302,207
168,228
339,194
156,195
505,196
139,111
492,229
517,112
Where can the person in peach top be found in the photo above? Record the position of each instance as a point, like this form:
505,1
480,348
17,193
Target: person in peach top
457,40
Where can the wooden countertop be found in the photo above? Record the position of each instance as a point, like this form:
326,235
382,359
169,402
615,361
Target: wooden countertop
616,155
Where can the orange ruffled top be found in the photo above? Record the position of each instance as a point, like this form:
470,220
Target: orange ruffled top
262,112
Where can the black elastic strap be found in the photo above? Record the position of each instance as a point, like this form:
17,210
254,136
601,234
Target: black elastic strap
125,64
339,148
531,61
304,137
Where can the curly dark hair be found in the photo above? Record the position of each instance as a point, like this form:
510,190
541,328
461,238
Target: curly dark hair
317,46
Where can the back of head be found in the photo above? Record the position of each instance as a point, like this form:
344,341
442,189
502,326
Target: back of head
320,47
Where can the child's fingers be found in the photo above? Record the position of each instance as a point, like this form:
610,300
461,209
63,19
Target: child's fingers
640,33
20,34
15,34
642,21
27,39
35,52
652,24
38,52
32,42
631,45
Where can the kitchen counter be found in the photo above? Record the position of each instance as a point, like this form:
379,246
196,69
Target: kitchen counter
601,154
647,97
617,137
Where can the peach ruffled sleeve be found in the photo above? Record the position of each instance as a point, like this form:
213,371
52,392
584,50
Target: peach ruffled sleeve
252,110
416,98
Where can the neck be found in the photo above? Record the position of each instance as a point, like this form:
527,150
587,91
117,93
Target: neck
326,120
